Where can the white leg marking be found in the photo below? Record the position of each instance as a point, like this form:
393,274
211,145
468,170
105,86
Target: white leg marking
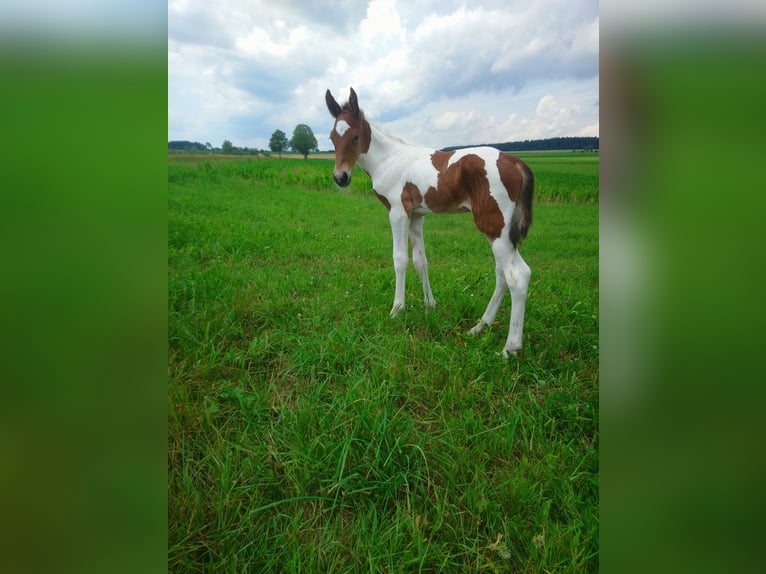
510,271
501,286
419,258
517,275
399,225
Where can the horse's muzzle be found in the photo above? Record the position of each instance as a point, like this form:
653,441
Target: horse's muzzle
342,178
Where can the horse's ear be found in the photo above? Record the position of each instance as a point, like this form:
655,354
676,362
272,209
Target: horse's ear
354,103
332,105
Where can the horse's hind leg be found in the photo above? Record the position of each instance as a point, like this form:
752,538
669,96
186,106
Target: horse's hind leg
510,271
494,303
517,274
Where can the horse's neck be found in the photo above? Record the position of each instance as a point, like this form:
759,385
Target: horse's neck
383,146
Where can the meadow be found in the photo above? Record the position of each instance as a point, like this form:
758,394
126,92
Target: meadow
310,432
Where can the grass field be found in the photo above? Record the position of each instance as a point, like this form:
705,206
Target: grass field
310,432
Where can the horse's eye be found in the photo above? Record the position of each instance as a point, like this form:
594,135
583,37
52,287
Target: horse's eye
356,138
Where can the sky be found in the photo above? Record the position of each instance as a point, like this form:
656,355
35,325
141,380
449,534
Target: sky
436,73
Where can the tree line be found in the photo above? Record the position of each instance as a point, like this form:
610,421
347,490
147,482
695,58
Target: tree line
561,143
196,147
303,142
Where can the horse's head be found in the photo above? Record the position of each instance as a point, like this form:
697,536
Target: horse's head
350,135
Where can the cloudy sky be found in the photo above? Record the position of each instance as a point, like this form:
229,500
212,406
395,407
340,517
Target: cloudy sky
438,73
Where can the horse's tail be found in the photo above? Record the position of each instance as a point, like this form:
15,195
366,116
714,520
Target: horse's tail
521,220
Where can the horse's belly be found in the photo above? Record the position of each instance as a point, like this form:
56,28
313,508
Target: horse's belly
448,207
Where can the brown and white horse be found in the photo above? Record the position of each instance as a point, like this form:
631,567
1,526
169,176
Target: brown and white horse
414,181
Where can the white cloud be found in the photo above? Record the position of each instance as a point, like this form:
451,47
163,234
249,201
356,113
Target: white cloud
443,73
382,20
449,120
546,107
588,131
585,39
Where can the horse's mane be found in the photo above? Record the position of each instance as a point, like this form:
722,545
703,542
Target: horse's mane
347,108
382,129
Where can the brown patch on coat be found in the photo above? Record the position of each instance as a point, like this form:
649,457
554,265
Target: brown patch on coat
366,134
449,195
411,198
383,200
486,213
510,175
440,159
464,186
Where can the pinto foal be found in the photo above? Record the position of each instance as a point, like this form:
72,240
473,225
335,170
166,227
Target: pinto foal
415,181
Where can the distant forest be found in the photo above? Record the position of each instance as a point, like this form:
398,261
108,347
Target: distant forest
227,148
187,146
567,143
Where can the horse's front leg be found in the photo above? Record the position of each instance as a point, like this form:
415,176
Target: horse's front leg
399,225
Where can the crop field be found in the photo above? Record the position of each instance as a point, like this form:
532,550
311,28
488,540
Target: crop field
310,432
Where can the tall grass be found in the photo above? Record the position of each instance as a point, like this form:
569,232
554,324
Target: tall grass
559,176
310,432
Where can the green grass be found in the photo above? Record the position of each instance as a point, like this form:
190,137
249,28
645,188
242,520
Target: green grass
564,176
310,432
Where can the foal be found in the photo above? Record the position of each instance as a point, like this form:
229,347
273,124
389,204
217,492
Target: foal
415,181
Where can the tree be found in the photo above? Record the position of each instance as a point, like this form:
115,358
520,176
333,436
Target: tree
303,140
278,142
227,146
184,145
